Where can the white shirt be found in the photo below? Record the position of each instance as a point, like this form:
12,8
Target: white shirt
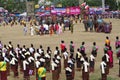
36,55
16,50
4,50
30,59
65,54
42,59
40,51
27,53
46,27
23,49
3,54
37,64
10,46
102,65
79,54
21,54
12,54
31,50
70,61
68,69
24,64
107,57
47,55
92,57
53,65
13,61
58,57
82,59
6,59
57,61
55,52
85,65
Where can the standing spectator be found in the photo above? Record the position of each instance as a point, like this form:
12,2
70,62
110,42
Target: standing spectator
31,30
25,29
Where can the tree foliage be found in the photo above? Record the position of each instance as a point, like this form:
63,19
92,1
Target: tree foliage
112,4
13,5
67,3
94,2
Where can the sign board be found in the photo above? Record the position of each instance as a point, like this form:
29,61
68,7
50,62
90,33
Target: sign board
30,8
68,10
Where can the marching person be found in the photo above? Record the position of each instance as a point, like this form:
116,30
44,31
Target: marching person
106,56
92,62
37,54
1,45
117,42
48,59
65,57
42,72
103,69
41,50
82,48
32,49
54,70
26,69
71,47
72,61
68,72
78,58
85,70
58,57
14,66
3,69
107,41
110,54
31,65
94,49
37,63
62,46
119,67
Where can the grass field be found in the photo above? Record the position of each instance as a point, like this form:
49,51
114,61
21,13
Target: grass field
15,34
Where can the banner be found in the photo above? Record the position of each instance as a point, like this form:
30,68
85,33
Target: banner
58,11
73,10
69,10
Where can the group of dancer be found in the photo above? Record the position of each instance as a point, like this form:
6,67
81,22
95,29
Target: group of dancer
31,61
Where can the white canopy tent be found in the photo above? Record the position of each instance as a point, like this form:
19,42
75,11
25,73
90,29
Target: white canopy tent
24,14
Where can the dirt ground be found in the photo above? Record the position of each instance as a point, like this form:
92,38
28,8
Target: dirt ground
15,34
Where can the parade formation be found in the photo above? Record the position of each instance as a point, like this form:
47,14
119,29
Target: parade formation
37,62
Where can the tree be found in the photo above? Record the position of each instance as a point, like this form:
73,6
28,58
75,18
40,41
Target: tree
119,5
67,3
94,2
112,4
